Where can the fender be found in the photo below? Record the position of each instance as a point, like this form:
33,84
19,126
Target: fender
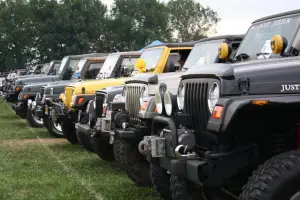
234,104
86,98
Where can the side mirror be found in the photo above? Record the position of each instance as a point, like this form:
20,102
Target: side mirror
140,65
224,51
278,44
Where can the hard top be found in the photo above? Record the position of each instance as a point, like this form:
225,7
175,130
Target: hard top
224,37
277,15
88,55
172,45
96,58
127,53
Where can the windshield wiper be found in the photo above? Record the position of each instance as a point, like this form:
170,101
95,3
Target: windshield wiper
262,54
242,56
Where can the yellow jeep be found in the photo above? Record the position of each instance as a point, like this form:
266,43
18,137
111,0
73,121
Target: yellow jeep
156,59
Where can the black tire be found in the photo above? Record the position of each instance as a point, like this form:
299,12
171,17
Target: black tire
69,131
161,181
277,179
31,121
103,149
182,189
50,127
133,163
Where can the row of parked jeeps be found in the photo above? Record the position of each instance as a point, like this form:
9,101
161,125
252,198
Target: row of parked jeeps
211,119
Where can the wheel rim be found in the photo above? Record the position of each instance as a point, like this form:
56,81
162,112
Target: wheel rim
296,196
57,126
37,120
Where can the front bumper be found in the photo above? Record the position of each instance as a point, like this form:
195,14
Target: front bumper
206,167
20,108
11,96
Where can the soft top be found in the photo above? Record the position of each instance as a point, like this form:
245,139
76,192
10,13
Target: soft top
277,15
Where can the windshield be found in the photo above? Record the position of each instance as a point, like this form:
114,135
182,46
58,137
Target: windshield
56,68
93,70
203,53
258,37
62,65
151,57
108,66
46,68
77,72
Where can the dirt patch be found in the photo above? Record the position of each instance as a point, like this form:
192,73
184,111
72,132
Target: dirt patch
33,141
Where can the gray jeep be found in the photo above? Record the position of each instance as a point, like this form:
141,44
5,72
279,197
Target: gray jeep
235,121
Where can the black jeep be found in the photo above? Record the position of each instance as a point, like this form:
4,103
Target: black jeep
232,120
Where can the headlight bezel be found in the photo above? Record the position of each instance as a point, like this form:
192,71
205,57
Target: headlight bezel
213,96
144,93
180,96
159,103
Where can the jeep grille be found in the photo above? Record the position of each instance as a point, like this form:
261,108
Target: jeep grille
133,93
195,102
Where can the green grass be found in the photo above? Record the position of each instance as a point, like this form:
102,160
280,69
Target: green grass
35,166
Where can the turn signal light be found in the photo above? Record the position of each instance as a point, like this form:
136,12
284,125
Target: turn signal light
259,102
80,100
217,112
18,89
25,96
144,105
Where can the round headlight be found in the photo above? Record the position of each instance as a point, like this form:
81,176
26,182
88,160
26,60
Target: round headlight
168,103
29,102
33,104
213,96
180,96
159,105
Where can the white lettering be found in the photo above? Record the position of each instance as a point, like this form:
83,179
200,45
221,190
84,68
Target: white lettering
290,87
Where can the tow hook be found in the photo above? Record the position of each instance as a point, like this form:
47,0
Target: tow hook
181,152
154,145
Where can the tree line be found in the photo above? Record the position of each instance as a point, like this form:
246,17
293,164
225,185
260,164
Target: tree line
38,31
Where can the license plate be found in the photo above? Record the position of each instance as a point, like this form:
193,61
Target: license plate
108,115
46,110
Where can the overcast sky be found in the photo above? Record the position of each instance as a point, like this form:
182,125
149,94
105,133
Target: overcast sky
237,15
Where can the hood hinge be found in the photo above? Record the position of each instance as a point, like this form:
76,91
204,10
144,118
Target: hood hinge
244,85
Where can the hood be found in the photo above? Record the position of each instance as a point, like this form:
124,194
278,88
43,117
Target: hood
38,79
31,75
269,76
91,86
58,86
33,88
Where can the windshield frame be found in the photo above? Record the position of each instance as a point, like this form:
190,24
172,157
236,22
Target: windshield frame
106,73
238,51
154,65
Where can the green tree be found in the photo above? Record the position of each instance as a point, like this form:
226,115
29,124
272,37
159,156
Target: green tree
135,23
16,33
191,21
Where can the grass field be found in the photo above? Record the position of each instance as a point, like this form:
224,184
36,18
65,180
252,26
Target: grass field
35,166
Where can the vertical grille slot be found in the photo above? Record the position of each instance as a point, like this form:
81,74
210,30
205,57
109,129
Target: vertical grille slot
133,93
196,104
42,91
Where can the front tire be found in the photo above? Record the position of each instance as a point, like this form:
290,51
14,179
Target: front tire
277,179
32,120
48,123
160,180
133,163
69,130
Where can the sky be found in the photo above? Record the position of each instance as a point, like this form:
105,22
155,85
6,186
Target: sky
237,15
